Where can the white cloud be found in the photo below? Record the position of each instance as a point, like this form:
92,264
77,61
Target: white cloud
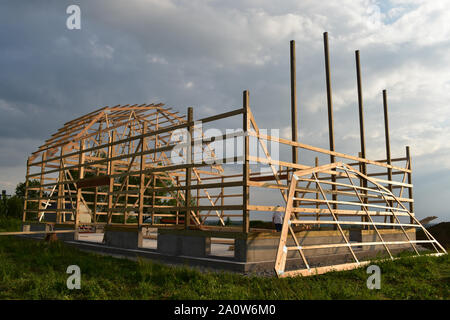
153,58
99,50
220,48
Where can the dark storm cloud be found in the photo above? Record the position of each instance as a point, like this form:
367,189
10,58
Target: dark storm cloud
205,53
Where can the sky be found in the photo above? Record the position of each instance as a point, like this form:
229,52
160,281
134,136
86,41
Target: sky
205,53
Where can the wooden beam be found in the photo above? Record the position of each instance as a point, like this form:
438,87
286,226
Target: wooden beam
80,176
245,166
188,195
293,102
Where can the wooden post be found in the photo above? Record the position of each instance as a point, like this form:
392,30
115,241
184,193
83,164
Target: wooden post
96,199
187,217
222,200
316,163
41,188
360,106
363,166
27,181
81,157
245,167
410,190
110,172
61,193
294,103
125,213
178,200
142,180
294,107
329,95
388,145
330,110
154,198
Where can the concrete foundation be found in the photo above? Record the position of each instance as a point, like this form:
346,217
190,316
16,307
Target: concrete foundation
36,227
123,237
65,236
388,235
185,245
264,246
253,252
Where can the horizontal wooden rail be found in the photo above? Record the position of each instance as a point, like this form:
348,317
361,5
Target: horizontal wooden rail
339,267
357,223
359,244
16,233
325,151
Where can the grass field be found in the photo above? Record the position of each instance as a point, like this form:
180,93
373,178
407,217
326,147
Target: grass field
32,269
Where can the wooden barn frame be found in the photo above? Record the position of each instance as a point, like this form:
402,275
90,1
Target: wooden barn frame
124,166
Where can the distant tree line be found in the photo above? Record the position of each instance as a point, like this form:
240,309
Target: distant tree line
12,206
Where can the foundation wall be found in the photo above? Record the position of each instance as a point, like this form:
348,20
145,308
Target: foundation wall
255,251
388,235
128,238
65,236
264,247
175,244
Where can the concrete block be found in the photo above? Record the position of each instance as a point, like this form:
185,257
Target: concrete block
39,227
195,246
129,239
177,244
66,236
168,244
240,250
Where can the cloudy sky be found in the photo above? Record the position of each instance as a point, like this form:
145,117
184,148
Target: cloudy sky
205,53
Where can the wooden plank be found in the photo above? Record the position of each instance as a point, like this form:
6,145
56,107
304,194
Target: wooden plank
325,151
245,165
188,195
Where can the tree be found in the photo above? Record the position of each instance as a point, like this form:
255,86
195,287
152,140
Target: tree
20,189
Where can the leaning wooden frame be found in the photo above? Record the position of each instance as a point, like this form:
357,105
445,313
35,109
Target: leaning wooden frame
373,189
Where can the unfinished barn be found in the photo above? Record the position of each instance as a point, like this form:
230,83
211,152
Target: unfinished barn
146,180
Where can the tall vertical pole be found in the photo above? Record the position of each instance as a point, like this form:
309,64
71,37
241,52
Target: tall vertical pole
294,106
294,103
245,167
360,105
361,127
330,110
187,217
410,190
388,144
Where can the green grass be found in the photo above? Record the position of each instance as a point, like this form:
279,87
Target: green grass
32,269
10,224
